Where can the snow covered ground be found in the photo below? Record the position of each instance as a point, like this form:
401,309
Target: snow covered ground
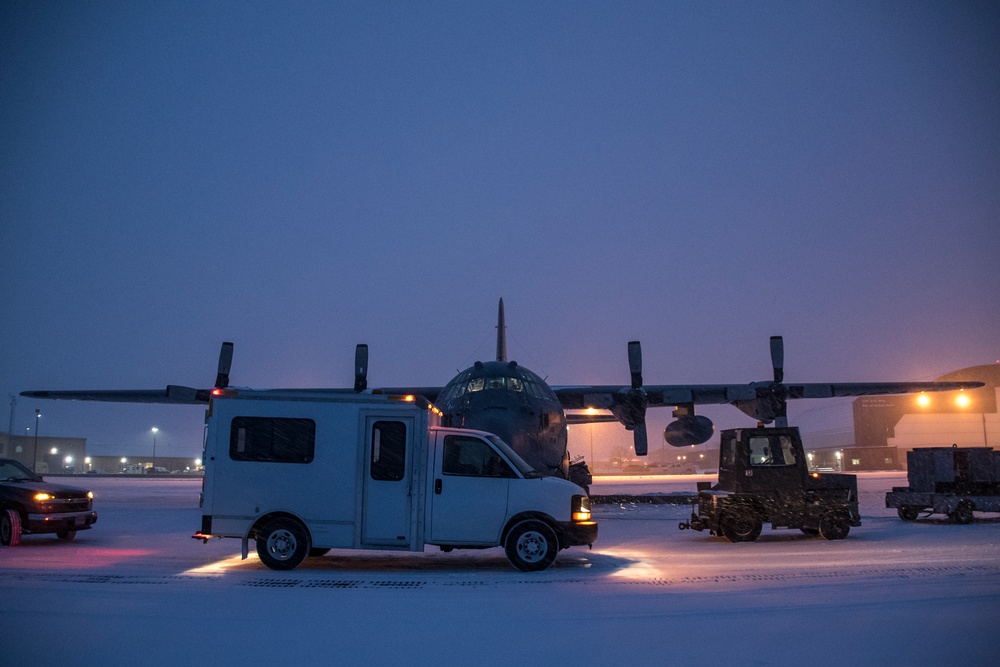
138,590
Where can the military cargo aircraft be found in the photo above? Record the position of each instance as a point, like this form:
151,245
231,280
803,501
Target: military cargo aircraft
507,399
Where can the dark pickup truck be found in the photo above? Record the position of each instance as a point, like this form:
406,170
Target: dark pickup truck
30,506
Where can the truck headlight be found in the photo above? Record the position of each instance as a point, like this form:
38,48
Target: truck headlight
581,509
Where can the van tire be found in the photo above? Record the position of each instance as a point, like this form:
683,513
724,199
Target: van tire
10,528
531,546
282,544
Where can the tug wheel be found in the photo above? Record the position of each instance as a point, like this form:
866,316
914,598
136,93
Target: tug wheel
741,525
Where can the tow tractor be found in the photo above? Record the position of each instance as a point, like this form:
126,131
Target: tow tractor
764,478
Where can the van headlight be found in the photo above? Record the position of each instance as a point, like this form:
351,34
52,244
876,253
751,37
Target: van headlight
581,509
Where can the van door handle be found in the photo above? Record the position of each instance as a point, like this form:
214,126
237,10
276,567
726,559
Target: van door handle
437,486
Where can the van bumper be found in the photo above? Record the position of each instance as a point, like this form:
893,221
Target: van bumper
574,534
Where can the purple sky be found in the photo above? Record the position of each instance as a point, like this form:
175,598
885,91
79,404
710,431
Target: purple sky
301,177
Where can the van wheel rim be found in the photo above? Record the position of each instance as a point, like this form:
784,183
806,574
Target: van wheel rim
281,544
532,546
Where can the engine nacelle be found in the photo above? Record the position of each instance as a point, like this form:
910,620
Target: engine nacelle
688,430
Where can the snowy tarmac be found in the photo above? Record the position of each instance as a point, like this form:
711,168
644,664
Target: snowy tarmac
138,590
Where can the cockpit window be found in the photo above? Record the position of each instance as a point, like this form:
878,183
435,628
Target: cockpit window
496,382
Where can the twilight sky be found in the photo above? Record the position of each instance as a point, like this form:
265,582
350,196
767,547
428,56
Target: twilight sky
300,177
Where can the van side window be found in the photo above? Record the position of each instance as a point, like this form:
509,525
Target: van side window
471,457
272,439
388,462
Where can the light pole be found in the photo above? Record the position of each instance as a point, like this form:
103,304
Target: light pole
34,450
154,447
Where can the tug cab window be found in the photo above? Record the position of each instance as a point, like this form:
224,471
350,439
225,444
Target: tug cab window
471,457
771,451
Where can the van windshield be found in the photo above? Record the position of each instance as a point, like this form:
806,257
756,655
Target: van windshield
519,463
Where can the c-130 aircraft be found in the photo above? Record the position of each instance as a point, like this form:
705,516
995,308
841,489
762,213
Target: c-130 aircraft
509,400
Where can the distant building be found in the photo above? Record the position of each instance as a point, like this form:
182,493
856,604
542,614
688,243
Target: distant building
965,418
45,455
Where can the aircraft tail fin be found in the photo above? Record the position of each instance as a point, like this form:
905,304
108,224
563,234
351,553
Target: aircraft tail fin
501,334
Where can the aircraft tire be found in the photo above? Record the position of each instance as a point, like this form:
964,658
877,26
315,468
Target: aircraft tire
531,546
282,544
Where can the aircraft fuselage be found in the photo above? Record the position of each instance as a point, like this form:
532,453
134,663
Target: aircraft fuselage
514,403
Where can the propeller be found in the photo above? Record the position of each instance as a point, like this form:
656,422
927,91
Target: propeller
778,357
225,364
636,400
771,401
360,368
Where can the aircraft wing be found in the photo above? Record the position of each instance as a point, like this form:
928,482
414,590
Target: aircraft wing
173,394
606,396
430,393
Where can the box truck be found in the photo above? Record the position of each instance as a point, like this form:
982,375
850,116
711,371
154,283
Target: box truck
302,472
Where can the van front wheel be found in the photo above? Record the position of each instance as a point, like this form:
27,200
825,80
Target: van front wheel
282,544
531,546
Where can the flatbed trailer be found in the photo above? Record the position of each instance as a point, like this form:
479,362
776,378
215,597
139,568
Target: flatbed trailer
955,481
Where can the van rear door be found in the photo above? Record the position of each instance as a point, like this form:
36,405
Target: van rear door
469,500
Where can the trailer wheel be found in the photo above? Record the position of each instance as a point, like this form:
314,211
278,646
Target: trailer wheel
282,544
908,512
10,528
531,546
741,525
963,513
834,525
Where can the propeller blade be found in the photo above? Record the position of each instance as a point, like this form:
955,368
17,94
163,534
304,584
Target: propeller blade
225,364
635,363
361,368
640,439
778,358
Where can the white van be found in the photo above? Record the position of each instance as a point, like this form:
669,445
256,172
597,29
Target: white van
304,472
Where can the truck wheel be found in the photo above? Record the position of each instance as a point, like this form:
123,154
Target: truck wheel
963,513
10,528
282,544
741,525
834,525
531,546
908,512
